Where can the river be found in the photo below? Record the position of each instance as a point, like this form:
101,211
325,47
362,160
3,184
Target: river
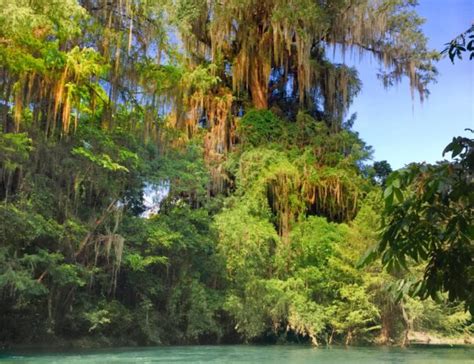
251,354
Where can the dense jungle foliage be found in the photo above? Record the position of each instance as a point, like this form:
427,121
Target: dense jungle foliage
185,171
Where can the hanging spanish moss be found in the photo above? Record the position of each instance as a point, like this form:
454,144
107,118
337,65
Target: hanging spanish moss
256,37
185,172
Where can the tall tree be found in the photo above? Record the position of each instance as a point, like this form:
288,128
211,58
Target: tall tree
275,43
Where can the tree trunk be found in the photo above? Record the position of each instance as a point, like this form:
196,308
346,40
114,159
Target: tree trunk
385,333
407,323
387,317
331,338
258,83
349,338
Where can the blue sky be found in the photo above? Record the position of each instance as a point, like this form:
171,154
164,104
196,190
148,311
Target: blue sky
402,130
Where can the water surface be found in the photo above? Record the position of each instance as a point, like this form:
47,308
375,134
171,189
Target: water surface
251,354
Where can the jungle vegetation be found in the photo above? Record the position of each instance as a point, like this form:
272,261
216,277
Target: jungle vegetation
232,117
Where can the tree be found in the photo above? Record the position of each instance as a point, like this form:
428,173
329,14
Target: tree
382,170
428,217
460,44
270,44
277,58
263,205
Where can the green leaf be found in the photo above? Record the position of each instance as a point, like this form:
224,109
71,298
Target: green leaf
368,257
398,194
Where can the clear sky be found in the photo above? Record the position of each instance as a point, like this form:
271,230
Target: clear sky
402,130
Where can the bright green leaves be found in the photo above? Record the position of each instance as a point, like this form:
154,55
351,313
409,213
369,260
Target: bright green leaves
160,235
201,78
14,150
137,262
159,78
54,58
51,73
111,317
68,275
299,168
354,313
246,242
171,261
31,27
276,305
85,63
27,20
290,272
296,284
26,227
442,318
303,15
314,240
428,218
108,162
102,160
393,190
30,275
259,127
97,319
105,101
262,128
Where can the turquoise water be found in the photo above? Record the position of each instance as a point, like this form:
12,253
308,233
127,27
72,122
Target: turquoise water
252,354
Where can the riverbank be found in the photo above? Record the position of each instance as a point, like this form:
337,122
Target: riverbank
417,339
424,338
